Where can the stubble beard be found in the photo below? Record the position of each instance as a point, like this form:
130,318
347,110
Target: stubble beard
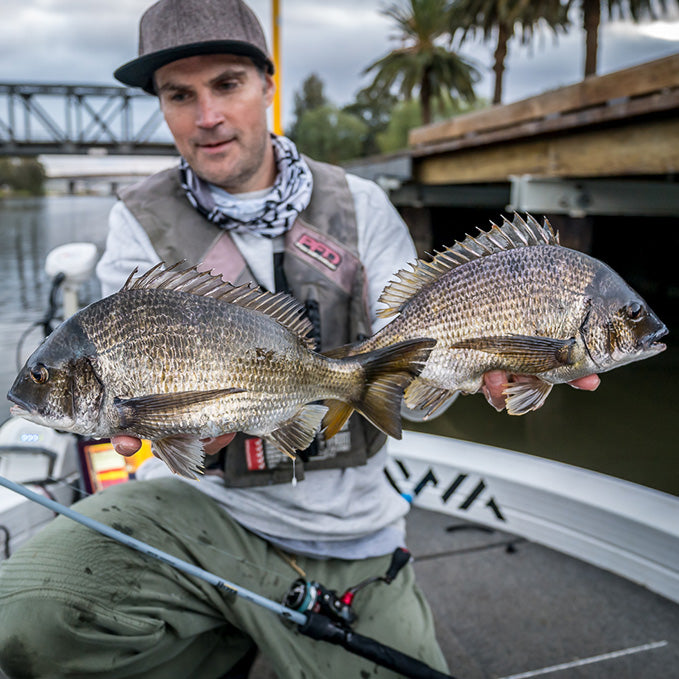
235,179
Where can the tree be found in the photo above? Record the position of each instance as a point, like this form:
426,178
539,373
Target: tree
591,19
24,176
375,112
330,135
310,98
422,63
502,17
408,115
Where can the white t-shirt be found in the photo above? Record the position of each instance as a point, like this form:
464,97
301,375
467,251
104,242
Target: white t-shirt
345,513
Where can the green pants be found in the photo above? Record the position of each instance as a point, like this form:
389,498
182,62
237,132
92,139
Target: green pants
74,603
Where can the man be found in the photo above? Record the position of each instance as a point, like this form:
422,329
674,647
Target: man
244,203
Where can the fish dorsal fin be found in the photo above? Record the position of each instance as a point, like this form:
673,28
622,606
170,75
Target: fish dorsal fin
280,306
510,235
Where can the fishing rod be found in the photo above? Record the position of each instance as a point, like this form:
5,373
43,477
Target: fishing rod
325,618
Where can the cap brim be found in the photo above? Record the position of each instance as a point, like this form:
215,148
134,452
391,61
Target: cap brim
139,72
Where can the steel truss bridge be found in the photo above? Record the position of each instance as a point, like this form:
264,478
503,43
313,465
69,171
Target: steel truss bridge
80,119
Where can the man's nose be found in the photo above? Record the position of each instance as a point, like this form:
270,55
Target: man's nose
208,112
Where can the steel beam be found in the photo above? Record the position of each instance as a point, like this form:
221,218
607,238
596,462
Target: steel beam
582,197
70,119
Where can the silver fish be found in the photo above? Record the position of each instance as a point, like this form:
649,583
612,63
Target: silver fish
176,356
513,299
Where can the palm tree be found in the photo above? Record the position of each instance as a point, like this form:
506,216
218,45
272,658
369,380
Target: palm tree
591,18
423,63
503,17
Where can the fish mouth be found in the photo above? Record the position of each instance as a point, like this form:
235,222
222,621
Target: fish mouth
652,343
20,408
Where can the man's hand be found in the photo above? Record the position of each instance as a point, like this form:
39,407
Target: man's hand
129,445
495,381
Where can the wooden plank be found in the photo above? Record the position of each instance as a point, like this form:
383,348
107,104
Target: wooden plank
649,149
628,108
630,82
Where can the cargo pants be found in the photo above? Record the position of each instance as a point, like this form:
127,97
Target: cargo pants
74,603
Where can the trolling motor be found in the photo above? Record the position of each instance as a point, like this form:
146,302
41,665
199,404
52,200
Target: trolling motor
71,264
310,596
68,267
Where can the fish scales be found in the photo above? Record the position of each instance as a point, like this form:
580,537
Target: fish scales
177,356
253,355
463,306
513,299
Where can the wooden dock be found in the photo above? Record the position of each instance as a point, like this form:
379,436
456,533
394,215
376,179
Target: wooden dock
621,124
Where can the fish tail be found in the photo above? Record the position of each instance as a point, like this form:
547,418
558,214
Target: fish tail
387,372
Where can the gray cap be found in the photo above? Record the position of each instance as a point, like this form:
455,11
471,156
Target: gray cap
175,29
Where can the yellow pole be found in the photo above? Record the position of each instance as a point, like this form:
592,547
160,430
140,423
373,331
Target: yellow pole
277,125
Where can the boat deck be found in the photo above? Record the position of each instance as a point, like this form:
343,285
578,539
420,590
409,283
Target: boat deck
506,607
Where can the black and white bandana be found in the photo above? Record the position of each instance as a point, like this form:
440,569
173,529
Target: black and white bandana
269,215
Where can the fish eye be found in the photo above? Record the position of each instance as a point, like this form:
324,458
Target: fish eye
634,310
39,374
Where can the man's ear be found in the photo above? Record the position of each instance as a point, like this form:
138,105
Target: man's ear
269,89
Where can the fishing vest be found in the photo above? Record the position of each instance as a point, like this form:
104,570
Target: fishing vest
322,270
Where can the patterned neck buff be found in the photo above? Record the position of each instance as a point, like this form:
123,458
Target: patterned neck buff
270,215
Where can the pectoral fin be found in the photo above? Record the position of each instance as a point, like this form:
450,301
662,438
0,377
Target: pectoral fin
182,453
524,353
299,431
142,411
527,395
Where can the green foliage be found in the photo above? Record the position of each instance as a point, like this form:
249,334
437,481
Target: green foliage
408,115
422,64
330,135
310,98
501,19
375,112
24,176
486,16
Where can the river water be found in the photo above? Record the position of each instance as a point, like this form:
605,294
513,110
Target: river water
627,428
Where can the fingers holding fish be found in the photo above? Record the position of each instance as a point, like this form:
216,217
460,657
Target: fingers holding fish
126,445
496,382
211,446
587,383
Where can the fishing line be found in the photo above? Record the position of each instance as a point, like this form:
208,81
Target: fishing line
123,510
149,550
312,624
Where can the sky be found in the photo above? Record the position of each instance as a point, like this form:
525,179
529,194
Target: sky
84,41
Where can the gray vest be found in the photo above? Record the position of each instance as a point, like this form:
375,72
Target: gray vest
323,271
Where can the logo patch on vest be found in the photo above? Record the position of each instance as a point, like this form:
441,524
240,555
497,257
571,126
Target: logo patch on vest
320,251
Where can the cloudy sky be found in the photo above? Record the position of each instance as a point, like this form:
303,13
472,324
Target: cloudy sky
84,41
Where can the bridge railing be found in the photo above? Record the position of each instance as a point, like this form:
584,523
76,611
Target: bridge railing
38,118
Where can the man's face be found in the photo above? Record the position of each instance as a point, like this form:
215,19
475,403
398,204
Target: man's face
215,106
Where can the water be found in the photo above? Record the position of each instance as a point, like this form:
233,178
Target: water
627,428
29,229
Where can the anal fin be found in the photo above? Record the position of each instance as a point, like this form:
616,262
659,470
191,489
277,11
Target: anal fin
338,413
299,431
